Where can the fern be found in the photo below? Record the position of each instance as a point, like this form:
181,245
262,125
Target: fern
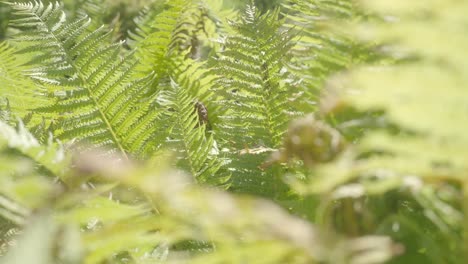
144,23
28,156
163,33
102,107
100,14
100,104
8,239
110,226
164,39
249,82
22,94
198,92
166,31
320,50
158,39
397,172
51,157
91,8
251,98
182,125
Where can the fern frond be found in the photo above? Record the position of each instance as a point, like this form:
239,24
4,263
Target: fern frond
388,167
99,11
144,23
22,94
249,82
22,158
92,8
252,101
157,37
168,30
184,128
320,51
101,103
8,237
51,156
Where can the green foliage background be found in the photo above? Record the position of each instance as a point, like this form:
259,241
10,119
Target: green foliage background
202,131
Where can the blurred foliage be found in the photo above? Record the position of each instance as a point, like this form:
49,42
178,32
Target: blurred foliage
294,131
148,212
412,139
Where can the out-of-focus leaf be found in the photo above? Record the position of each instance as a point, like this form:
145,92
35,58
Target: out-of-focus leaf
36,244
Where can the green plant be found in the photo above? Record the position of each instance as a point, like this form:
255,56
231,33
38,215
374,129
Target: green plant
217,135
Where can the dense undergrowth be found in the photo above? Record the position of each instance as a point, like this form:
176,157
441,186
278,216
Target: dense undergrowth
197,131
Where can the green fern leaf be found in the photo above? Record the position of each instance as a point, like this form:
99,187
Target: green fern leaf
52,156
99,103
320,51
184,128
144,23
22,158
174,28
249,84
157,38
21,93
8,238
251,99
